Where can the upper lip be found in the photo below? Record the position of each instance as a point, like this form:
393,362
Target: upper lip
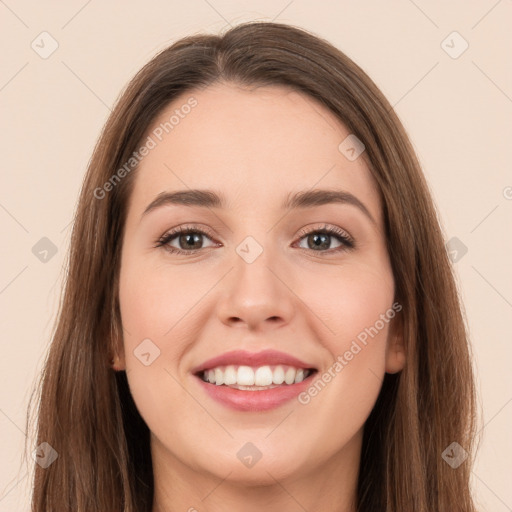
255,359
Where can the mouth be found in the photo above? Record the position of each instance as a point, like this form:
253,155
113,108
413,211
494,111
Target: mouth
259,378
254,389
253,381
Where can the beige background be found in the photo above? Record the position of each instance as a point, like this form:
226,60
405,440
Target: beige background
456,110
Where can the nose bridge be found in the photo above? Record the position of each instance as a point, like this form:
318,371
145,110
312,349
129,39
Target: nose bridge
255,294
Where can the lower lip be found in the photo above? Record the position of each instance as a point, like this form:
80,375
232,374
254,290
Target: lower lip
262,400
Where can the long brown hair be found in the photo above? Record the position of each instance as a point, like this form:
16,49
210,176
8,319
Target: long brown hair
86,412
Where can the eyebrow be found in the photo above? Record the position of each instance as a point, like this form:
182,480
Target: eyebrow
302,199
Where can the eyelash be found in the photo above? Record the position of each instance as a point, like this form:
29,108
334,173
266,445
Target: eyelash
347,241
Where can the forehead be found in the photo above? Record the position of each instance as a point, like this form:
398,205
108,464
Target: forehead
253,144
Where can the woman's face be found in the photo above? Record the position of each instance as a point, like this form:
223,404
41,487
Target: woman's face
262,277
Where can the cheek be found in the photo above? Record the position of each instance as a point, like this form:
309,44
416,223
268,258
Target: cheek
155,307
161,304
353,310
347,300
157,302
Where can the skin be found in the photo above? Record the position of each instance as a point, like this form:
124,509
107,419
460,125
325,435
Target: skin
255,146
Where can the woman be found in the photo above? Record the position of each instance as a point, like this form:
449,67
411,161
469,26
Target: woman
260,313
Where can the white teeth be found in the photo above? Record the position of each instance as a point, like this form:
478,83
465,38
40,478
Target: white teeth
261,377
289,377
278,375
219,376
230,375
245,376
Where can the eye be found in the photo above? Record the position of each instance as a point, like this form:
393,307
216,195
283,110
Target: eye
188,239
321,238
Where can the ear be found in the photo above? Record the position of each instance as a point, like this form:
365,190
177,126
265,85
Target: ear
395,349
117,356
117,360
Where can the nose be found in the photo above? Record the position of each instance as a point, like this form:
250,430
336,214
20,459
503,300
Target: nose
256,296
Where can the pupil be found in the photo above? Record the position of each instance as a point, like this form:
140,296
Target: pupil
195,237
320,240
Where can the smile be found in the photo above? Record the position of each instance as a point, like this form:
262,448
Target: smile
251,378
245,388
